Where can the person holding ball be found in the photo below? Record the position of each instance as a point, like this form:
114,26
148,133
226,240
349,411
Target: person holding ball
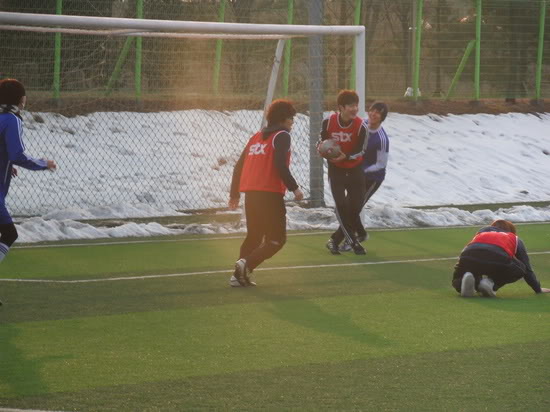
345,175
12,152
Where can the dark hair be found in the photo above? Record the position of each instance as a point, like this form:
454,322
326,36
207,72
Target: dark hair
504,225
279,111
346,97
11,91
381,108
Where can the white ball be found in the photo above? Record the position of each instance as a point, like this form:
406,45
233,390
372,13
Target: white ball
329,149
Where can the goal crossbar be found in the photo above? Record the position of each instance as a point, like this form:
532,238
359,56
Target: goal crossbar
173,27
90,22
134,33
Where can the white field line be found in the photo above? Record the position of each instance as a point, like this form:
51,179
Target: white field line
23,410
241,235
217,272
130,242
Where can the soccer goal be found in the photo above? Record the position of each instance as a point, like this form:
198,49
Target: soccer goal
156,112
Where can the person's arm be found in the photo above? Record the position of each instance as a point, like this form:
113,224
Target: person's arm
529,277
234,194
377,151
358,150
324,134
282,146
16,149
324,130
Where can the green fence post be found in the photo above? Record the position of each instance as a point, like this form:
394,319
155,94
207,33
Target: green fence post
538,76
219,45
57,56
477,93
119,63
417,49
288,46
356,21
137,73
456,77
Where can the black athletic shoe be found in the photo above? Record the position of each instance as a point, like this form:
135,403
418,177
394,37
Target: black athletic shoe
333,247
358,249
361,238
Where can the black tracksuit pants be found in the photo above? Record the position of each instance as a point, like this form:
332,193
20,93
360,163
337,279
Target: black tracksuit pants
501,268
371,186
265,225
348,189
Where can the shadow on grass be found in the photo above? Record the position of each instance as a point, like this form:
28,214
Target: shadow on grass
531,304
19,375
306,313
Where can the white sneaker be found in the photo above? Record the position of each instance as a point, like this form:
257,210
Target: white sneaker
241,274
233,282
485,287
345,247
467,288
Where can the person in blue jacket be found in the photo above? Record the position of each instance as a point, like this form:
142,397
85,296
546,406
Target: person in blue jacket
375,161
12,152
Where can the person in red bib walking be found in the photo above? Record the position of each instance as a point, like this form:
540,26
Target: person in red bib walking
345,175
262,173
495,257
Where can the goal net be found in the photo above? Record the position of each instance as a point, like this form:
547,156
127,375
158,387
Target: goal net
155,113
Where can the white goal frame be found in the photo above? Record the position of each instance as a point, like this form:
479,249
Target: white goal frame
112,26
125,27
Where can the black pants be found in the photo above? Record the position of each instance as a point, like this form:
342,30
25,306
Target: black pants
500,268
348,189
8,234
371,186
265,226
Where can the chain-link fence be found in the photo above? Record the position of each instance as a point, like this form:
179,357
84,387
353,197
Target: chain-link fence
162,121
510,39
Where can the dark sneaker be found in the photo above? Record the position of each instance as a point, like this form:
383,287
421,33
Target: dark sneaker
361,238
345,247
358,249
485,287
333,247
467,287
241,273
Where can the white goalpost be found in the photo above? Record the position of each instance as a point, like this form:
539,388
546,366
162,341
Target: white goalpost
86,77
111,26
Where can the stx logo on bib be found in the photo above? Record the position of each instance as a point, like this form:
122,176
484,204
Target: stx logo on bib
341,136
257,149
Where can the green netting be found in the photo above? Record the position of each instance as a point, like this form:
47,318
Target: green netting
508,55
109,73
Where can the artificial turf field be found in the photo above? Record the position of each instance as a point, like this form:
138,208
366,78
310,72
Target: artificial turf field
380,332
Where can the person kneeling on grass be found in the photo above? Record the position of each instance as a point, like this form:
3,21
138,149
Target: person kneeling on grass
495,257
12,152
262,173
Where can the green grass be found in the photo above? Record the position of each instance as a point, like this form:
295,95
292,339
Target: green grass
384,336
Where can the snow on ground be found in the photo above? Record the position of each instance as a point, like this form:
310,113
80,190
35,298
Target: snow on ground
434,160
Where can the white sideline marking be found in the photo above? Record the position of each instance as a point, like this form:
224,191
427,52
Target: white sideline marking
23,410
214,272
241,235
130,242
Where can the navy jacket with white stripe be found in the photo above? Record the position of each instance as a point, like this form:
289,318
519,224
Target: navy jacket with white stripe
375,158
12,150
